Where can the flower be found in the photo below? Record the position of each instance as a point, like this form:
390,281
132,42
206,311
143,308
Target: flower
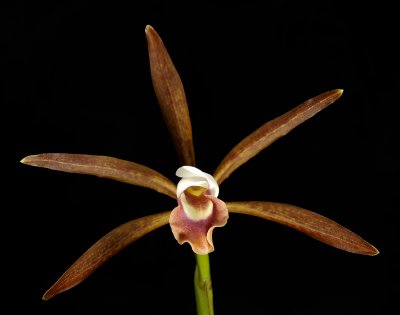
199,210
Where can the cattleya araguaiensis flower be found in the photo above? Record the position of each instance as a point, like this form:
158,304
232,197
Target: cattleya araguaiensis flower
199,210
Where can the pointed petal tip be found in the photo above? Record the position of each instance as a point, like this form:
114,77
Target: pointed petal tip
151,35
49,294
374,251
28,159
367,249
148,28
340,92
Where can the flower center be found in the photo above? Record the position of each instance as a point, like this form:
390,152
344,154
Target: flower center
195,190
199,210
196,207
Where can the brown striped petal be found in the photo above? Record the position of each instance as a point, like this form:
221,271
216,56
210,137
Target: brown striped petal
104,166
271,131
104,249
308,222
171,97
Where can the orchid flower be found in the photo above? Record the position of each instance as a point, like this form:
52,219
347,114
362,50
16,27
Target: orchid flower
198,209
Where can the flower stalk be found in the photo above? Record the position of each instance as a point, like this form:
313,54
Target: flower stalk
203,286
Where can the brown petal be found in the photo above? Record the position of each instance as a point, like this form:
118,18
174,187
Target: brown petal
104,249
308,222
271,131
104,166
171,97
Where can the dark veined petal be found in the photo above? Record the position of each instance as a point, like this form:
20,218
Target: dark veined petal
308,222
271,131
171,97
104,249
104,166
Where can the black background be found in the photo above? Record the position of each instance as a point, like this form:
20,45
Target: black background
77,80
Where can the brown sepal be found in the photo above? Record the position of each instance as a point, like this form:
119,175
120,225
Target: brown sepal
104,166
171,97
104,249
308,222
271,131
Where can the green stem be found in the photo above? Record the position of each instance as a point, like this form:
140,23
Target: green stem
202,286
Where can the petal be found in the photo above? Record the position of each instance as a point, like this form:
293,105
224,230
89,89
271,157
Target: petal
171,97
192,176
198,233
104,249
197,207
308,222
189,171
104,166
185,183
271,131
